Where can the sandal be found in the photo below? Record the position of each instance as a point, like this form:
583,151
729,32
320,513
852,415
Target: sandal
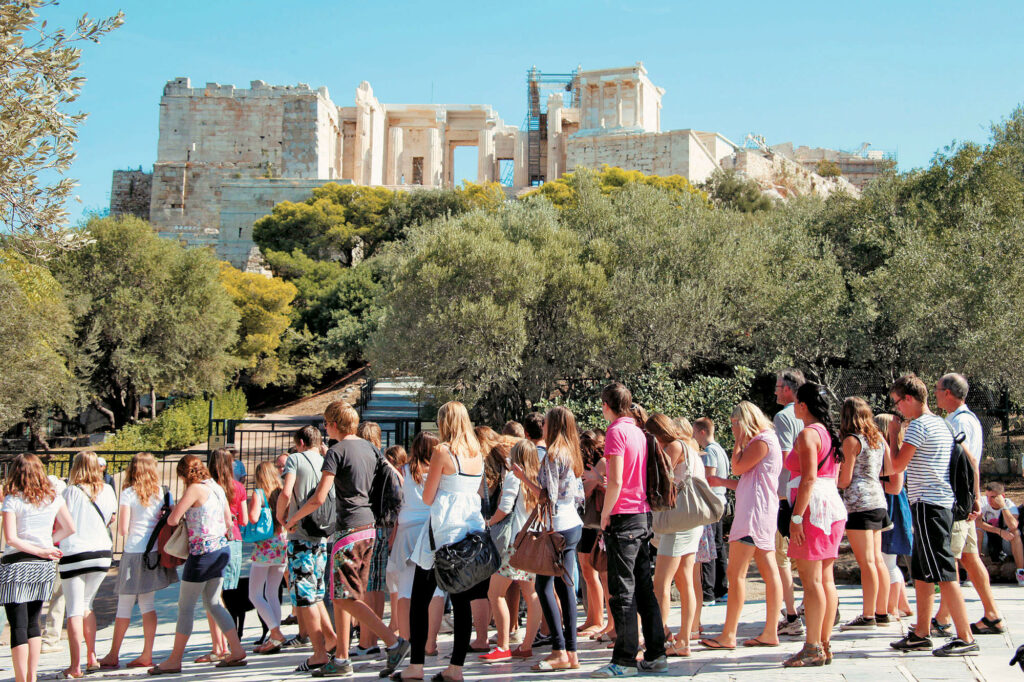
209,658
440,677
827,648
233,663
271,646
988,627
678,649
65,675
307,667
548,666
518,652
397,677
711,643
809,655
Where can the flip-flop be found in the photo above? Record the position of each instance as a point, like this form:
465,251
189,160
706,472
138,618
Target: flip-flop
108,666
397,677
133,664
519,653
757,642
65,675
209,658
548,666
228,663
709,643
157,670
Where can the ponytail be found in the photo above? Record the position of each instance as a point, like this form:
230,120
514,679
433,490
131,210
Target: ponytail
816,398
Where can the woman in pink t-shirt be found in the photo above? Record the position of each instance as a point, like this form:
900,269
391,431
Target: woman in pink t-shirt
757,458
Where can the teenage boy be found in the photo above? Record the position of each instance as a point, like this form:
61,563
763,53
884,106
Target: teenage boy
307,556
787,428
716,463
626,520
950,394
533,425
349,466
925,456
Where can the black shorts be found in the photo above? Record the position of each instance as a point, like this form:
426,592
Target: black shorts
588,540
785,514
873,519
931,560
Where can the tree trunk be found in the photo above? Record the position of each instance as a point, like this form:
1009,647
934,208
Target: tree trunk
109,414
152,402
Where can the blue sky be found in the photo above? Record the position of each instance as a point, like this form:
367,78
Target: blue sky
906,76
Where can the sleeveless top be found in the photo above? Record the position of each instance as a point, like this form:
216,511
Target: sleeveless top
413,510
273,550
757,498
825,506
454,514
206,528
865,490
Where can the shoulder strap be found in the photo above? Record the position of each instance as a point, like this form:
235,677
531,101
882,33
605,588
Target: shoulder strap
94,505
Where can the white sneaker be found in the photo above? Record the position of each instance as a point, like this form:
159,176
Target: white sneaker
1020,577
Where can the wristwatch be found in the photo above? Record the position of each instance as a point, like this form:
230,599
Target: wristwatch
797,519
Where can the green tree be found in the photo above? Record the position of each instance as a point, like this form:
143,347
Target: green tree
37,72
150,315
334,312
35,331
563,192
828,169
728,189
264,308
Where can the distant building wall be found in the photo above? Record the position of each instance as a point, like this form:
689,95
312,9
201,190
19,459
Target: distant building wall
130,193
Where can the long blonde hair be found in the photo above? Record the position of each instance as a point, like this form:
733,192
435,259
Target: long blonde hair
686,428
751,419
524,453
142,477
86,473
456,430
267,478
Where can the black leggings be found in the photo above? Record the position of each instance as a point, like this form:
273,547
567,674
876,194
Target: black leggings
24,621
423,585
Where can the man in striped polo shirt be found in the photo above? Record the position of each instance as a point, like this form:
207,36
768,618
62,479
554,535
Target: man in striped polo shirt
925,456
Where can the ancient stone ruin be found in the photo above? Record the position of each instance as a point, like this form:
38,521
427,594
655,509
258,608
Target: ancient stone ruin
226,156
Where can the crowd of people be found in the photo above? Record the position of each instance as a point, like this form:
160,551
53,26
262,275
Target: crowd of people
539,515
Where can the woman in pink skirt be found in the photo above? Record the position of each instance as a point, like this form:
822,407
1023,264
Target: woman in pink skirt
818,521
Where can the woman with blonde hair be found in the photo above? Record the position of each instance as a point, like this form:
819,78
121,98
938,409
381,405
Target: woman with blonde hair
268,559
757,459
204,509
87,554
560,490
35,518
452,491
518,501
676,551
139,575
411,521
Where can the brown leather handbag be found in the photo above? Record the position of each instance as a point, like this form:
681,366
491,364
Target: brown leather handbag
538,548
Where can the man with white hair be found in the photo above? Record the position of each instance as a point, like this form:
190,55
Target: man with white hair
950,396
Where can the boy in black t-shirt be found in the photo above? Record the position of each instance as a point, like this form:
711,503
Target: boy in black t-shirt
348,466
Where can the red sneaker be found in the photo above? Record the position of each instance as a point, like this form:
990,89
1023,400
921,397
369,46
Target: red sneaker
496,655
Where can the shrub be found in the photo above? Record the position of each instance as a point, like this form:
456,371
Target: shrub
183,424
828,169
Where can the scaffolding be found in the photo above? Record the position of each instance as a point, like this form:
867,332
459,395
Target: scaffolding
538,86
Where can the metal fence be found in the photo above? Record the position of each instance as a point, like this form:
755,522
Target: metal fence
58,464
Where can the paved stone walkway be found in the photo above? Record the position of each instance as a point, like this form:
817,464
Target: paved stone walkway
860,657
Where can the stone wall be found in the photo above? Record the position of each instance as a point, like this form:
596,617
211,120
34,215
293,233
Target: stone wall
131,192
678,152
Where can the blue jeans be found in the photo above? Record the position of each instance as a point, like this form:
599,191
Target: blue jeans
563,631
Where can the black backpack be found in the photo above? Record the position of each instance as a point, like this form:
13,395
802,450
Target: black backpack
961,477
322,521
386,494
